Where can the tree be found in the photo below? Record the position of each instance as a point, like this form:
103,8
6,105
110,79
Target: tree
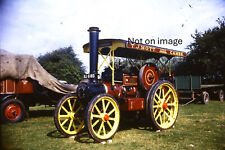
207,55
63,64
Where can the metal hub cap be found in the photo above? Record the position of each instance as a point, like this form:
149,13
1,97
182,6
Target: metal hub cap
164,106
106,117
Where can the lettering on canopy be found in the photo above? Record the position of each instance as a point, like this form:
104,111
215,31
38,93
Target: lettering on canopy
149,48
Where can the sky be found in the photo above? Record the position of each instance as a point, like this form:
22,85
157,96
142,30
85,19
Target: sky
39,26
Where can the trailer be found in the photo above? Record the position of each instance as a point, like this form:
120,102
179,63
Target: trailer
16,96
98,102
191,88
23,83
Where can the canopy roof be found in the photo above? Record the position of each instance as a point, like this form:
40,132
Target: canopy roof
123,48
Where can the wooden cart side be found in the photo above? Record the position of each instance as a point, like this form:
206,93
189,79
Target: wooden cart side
191,87
10,86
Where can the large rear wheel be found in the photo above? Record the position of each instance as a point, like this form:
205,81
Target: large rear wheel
68,115
163,105
103,117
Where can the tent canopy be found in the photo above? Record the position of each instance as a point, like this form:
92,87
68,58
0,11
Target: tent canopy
123,48
26,66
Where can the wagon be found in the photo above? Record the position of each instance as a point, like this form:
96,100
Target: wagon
98,102
191,88
17,95
24,83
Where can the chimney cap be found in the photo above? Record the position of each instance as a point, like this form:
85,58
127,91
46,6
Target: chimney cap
93,29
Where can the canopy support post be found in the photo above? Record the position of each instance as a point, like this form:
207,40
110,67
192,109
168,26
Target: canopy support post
110,63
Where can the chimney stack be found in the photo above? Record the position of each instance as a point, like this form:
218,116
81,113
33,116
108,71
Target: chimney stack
93,47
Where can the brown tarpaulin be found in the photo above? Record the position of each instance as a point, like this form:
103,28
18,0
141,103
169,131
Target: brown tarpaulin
26,66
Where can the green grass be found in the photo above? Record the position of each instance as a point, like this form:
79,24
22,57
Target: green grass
198,127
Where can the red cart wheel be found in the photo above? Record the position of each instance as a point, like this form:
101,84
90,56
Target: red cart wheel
12,110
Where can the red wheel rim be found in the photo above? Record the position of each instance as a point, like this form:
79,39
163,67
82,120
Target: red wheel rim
12,111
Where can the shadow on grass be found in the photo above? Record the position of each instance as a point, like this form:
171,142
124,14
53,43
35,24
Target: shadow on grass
81,137
141,124
125,124
40,113
55,134
84,137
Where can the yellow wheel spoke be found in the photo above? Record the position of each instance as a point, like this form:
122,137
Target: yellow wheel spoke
109,124
74,102
99,130
70,105
80,127
157,96
74,126
167,93
64,122
96,122
155,111
107,106
170,118
164,117
79,120
156,106
71,121
103,129
111,112
110,118
160,92
168,99
156,101
163,93
96,116
171,104
65,109
77,109
64,116
159,114
160,118
103,105
170,111
97,109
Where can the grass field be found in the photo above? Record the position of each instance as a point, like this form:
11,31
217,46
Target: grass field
198,127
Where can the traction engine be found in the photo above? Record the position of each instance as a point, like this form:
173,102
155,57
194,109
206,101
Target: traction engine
97,103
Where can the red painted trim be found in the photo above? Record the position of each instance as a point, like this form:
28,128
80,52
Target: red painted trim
132,104
130,80
153,49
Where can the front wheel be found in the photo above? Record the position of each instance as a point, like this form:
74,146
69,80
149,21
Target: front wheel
12,111
68,115
103,117
163,105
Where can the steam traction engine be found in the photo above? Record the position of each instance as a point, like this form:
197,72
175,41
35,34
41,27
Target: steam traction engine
97,103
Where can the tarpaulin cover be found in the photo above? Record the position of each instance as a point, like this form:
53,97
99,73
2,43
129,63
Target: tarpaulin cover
26,66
